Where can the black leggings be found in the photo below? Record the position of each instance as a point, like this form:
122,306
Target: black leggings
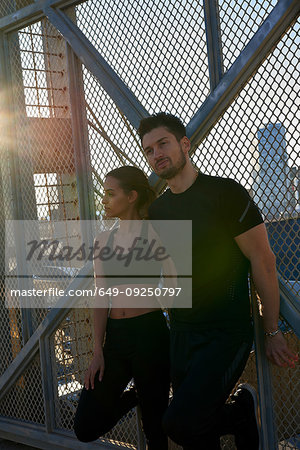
205,367
137,348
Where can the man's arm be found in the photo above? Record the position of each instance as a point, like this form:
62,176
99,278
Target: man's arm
255,246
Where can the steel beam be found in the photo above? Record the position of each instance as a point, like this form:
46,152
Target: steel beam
278,21
36,436
141,437
268,432
289,307
32,13
47,383
81,146
96,64
213,42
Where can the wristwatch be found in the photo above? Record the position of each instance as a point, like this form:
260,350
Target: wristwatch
272,333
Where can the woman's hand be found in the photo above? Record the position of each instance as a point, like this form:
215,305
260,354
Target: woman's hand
96,365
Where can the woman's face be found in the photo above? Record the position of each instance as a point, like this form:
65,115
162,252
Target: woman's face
116,202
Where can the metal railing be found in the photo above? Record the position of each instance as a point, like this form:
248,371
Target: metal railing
76,79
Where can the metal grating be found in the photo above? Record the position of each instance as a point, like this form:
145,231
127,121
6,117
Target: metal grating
9,7
45,156
11,335
72,346
113,142
239,21
166,51
159,51
286,400
44,132
25,400
11,340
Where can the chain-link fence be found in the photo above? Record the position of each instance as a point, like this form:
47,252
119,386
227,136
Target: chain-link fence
238,22
159,51
256,142
158,45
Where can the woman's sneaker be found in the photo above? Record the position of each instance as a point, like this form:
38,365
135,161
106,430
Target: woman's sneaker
247,429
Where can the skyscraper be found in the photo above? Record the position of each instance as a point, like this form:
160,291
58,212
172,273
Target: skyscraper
272,183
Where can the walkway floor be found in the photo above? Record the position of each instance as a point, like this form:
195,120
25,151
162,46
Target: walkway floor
10,445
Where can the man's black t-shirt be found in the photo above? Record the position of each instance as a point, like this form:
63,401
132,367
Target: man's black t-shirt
220,209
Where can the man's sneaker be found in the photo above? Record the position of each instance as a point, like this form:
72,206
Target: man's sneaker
247,429
129,400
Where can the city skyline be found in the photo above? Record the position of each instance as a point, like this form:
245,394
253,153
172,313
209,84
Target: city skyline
272,175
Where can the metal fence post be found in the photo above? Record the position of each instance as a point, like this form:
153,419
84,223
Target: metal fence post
81,146
140,434
47,382
213,42
268,434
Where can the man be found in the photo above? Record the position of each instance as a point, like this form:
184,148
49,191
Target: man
211,342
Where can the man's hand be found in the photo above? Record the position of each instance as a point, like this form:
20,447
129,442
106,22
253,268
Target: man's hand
278,351
96,364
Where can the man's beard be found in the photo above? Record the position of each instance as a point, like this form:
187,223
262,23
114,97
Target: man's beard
171,172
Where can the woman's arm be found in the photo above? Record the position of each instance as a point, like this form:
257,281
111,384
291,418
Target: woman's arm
100,320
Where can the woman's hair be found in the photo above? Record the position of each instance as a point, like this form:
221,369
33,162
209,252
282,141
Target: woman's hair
131,178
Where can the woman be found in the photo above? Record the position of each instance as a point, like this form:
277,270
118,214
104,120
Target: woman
137,337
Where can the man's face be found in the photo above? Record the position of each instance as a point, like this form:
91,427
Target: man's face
165,154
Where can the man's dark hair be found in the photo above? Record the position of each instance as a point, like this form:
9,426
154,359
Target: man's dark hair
172,123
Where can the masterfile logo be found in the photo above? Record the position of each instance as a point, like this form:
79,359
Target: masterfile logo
47,263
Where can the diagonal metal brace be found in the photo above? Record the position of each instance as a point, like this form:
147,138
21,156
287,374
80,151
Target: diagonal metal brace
31,13
268,431
96,64
45,329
